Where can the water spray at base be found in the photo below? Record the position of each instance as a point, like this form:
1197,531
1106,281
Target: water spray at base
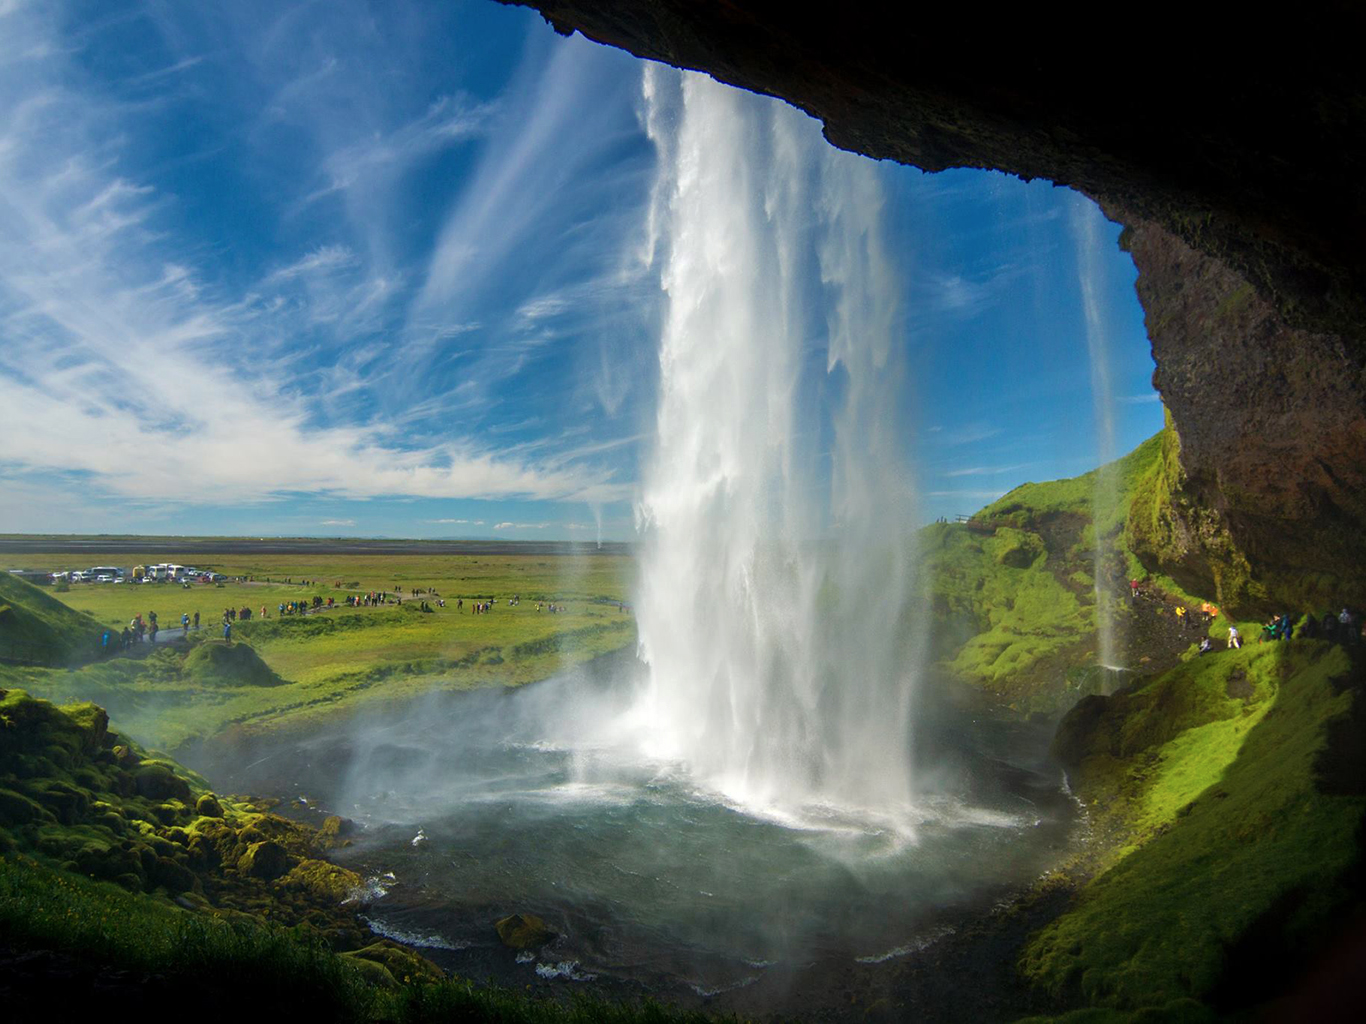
776,605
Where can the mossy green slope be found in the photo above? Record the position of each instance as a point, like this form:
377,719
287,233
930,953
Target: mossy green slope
1013,593
1233,824
77,796
36,628
230,664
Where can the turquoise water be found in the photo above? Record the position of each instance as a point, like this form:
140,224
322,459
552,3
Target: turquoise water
475,806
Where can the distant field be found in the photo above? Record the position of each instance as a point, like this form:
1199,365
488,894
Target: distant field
335,659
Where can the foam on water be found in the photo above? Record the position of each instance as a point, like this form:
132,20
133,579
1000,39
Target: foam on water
424,939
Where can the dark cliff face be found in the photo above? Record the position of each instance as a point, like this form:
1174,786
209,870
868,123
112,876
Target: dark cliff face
1227,141
1269,499
1239,133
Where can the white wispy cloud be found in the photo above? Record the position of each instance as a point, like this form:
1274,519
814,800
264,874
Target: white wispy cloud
976,494
965,433
337,522
988,470
545,526
1144,399
121,362
323,258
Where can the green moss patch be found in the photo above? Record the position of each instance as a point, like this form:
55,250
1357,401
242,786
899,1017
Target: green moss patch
1227,820
233,664
1013,591
36,628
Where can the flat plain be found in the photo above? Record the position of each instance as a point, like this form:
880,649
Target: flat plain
335,659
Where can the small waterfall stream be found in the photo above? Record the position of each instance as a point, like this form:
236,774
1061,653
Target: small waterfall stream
1085,220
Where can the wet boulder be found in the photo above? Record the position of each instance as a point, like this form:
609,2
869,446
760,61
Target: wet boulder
523,931
329,882
334,832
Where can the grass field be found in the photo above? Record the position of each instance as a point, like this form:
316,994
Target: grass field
338,658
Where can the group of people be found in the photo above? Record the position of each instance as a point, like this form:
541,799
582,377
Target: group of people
302,607
1344,627
369,599
140,629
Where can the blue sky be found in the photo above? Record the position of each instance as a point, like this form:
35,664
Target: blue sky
377,270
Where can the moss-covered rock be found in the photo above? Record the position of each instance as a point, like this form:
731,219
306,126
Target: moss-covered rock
372,971
207,806
265,860
402,963
158,782
322,879
335,831
18,809
523,931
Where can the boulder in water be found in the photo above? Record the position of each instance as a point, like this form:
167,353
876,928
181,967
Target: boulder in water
523,931
322,879
334,831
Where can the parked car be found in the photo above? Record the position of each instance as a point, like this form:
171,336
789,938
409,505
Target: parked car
104,577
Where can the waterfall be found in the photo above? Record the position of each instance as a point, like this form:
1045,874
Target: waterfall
1085,220
776,604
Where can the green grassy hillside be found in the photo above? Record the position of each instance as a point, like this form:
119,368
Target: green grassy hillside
37,628
1228,798
1014,594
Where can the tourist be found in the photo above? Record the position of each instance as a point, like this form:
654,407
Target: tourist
1235,639
196,620
1181,616
1204,645
184,622
227,631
